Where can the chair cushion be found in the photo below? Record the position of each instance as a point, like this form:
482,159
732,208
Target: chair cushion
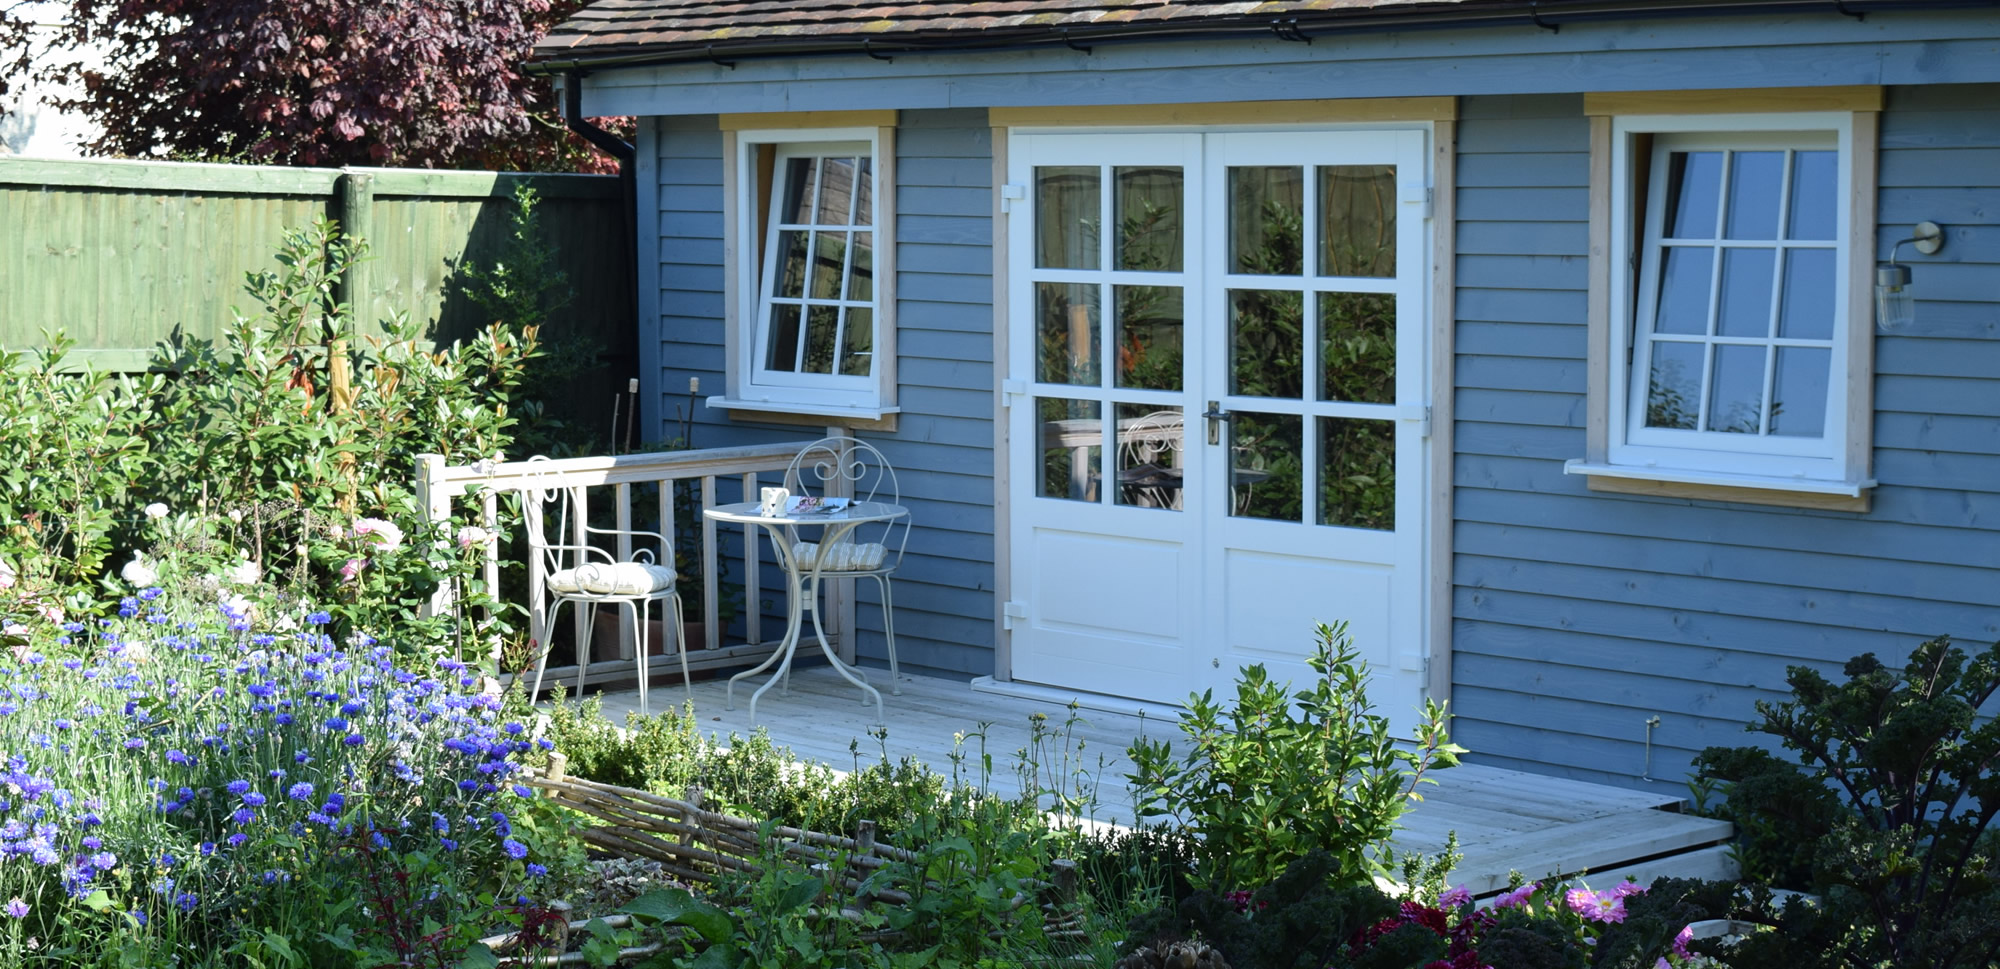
613,579
842,556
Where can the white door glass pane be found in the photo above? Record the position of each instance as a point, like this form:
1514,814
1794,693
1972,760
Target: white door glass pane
1265,466
1807,311
801,174
1694,188
1798,402
1357,220
1756,184
829,264
1067,200
1673,391
1266,220
1736,390
1684,286
1357,473
857,357
1746,293
1150,328
1067,315
1357,347
1266,343
1072,447
1151,443
864,193
1149,207
1815,203
861,269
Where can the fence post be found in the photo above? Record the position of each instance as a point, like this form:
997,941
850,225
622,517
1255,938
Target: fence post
356,214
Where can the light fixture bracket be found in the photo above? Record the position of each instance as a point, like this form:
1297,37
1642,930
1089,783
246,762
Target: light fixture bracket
1928,239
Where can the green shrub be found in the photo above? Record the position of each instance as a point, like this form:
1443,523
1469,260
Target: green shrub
1907,864
1275,776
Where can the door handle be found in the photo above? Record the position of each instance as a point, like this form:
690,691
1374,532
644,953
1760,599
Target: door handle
1216,418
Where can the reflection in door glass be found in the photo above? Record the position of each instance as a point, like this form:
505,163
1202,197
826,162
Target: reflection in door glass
1357,220
1357,473
1067,210
1149,336
1357,347
1266,343
1265,466
1266,215
1072,438
1148,210
1066,335
1150,447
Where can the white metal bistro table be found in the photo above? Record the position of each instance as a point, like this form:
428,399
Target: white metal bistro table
802,586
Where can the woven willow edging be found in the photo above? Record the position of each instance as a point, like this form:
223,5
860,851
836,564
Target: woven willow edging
699,845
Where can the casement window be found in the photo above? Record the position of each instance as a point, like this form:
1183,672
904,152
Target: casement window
811,328
1731,338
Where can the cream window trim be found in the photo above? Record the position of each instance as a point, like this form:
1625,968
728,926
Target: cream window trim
749,184
1304,111
1842,476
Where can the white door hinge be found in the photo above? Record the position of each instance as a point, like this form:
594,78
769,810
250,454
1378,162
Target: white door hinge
1414,662
1011,391
1011,193
1421,415
1011,613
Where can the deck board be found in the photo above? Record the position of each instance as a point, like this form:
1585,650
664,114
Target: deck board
1505,820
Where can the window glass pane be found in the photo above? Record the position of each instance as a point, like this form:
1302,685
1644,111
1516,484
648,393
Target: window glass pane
1357,347
829,264
1736,391
822,332
1265,467
1266,217
1066,334
1149,218
783,346
836,191
791,263
1815,200
1694,185
1746,292
861,269
1072,447
1149,336
1357,227
864,193
1755,184
1151,440
1807,313
1266,343
857,357
1673,389
1683,306
800,175
1798,402
1357,473
1067,200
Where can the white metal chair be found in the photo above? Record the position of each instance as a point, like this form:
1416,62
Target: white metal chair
1149,460
843,466
637,571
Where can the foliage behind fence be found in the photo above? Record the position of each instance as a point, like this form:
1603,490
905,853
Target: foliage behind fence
122,255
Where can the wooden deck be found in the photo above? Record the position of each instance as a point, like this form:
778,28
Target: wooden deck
1505,820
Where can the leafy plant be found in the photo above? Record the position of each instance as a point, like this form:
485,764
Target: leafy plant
1273,777
1909,864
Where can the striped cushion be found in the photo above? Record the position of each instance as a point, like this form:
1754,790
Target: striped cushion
842,556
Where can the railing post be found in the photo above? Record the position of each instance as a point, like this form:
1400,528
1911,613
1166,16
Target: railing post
436,505
840,595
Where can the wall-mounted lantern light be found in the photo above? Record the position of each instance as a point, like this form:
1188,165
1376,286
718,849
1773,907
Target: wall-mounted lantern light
1895,304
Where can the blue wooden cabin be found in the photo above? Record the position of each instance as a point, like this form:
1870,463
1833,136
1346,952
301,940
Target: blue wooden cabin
1548,345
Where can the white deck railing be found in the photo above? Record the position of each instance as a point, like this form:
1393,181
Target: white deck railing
441,486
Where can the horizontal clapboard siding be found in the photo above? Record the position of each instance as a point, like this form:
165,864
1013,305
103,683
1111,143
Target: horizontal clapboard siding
943,446
1577,615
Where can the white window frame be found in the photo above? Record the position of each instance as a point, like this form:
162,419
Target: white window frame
750,259
1766,469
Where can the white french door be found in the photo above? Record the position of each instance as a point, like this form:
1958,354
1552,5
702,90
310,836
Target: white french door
1217,420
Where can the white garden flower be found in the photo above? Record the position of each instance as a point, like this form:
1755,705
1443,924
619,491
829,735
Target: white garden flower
383,534
8,576
156,511
138,572
472,535
245,572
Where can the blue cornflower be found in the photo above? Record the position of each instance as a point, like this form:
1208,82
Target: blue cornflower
354,740
243,816
514,849
238,787
537,871
207,848
300,791
335,723
236,840
449,844
185,901
319,618
254,799
522,790
177,757
135,743
149,594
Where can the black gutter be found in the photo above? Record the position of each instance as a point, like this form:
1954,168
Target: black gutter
1303,25
628,181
